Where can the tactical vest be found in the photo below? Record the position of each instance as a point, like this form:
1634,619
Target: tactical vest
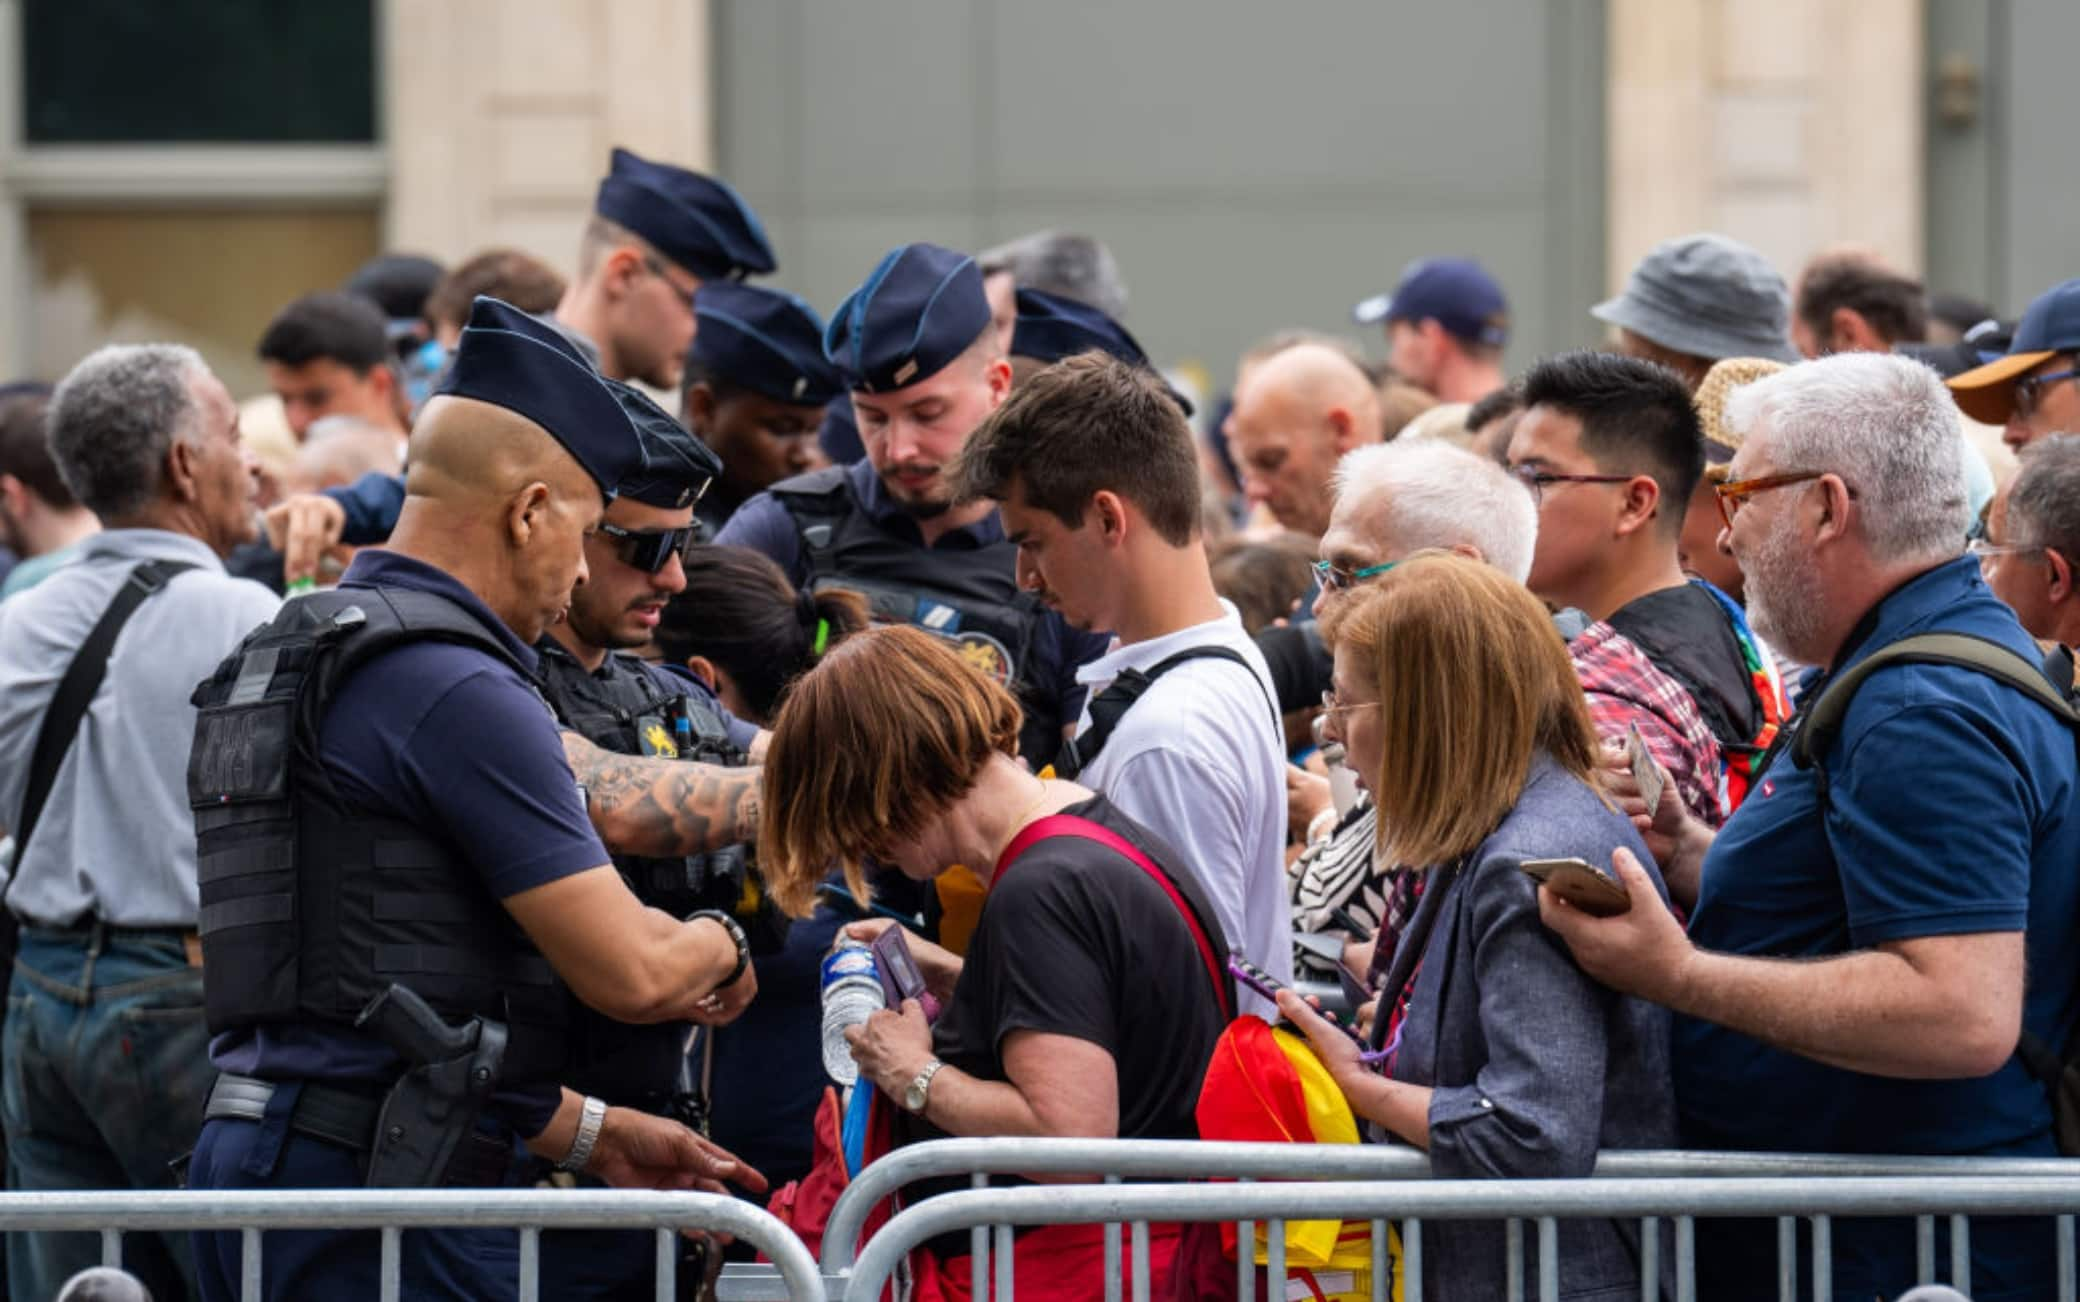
628,710
970,596
310,905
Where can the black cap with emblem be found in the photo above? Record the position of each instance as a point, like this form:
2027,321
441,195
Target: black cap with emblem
922,307
677,467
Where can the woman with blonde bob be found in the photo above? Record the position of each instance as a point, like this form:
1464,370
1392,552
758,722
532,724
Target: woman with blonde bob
1092,991
1461,714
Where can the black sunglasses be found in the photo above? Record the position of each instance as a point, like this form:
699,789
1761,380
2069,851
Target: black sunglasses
649,549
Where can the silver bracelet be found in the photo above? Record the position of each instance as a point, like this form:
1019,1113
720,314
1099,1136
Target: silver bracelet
589,1119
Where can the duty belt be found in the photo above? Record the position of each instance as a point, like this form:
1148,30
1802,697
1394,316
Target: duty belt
348,1119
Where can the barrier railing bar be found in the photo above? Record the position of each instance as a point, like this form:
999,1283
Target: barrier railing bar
1961,1253
249,1265
1380,1286
1006,1259
1924,1249
1167,1159
1686,1259
391,1271
1650,1259
1823,1260
112,1249
978,1244
252,1210
2065,1259
1411,1259
1246,1259
530,1264
1514,1236
1274,1260
1112,1253
1548,1259
1141,1272
1787,1259
667,1267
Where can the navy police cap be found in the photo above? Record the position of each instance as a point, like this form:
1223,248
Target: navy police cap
512,360
697,221
677,467
921,308
1051,327
763,340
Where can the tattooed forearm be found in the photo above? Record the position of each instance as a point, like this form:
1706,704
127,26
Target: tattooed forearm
648,806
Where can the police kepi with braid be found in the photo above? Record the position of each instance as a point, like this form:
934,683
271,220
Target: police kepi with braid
401,889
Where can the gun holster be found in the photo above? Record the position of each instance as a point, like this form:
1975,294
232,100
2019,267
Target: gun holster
450,1073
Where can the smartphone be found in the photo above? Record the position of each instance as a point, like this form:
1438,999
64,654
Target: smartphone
897,968
1267,985
1645,771
1591,889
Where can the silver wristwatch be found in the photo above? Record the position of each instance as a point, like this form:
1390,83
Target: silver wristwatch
589,1119
915,1093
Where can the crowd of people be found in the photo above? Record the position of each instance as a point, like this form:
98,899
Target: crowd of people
454,766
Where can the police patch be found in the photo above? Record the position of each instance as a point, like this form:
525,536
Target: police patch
985,654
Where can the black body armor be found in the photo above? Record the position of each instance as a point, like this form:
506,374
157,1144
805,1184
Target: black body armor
631,710
970,596
310,906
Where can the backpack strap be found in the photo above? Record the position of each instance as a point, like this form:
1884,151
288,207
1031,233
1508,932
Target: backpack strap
1822,722
76,691
1108,707
1040,829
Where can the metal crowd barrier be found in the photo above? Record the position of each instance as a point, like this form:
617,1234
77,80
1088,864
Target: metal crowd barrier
391,1211
1410,1203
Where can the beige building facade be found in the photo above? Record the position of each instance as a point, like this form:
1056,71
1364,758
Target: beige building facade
1792,124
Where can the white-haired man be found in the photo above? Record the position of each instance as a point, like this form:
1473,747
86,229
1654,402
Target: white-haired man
1870,932
1395,499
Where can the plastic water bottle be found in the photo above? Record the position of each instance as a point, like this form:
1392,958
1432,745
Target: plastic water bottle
851,994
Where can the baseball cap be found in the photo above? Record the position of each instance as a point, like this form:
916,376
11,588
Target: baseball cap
1457,293
2051,326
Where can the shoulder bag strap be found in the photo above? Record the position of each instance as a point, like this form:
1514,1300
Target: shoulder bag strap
77,688
1053,825
1108,707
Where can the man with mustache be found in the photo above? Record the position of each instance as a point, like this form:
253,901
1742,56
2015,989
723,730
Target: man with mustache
925,367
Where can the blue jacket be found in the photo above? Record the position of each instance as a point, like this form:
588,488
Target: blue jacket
1535,1066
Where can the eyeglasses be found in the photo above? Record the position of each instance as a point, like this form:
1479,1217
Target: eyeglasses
1985,551
1332,708
1733,492
2023,394
656,268
649,549
1337,579
1535,480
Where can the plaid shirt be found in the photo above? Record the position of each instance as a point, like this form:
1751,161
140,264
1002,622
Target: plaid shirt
1624,688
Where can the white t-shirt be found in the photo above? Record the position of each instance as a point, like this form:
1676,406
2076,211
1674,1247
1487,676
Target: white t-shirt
1200,762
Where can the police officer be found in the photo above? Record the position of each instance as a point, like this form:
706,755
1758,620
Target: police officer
657,236
916,345
400,887
756,386
623,705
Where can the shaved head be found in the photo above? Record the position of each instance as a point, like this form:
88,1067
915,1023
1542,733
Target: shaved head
493,499
1297,411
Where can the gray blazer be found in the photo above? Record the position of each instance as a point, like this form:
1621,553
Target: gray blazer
1534,1065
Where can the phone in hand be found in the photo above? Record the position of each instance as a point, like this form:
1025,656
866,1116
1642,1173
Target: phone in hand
1591,889
1267,985
900,977
1645,771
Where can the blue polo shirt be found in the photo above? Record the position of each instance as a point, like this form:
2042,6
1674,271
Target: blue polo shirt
1950,810
764,525
460,744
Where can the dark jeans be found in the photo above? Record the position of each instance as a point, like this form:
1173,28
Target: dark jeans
462,1265
106,1073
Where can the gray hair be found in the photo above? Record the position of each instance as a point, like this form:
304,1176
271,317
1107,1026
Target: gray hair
1429,493
2044,499
1888,427
114,418
1056,262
